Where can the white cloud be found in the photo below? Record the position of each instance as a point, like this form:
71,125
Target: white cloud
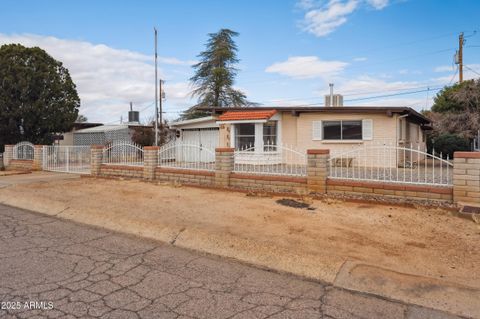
444,68
325,20
378,4
107,79
307,67
322,19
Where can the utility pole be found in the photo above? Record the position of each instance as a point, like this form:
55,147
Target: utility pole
156,91
162,96
460,58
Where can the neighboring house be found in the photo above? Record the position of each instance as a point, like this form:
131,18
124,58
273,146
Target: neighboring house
66,139
104,134
336,128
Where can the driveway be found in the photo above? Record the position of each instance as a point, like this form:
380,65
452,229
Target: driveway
72,270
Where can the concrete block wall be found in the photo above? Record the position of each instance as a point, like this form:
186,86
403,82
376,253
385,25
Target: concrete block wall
185,176
223,165
150,161
37,158
268,183
96,155
8,155
466,178
110,170
317,170
389,190
20,165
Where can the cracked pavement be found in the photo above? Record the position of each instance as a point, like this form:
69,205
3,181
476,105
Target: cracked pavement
87,272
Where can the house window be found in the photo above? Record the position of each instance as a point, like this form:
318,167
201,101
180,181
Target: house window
342,130
270,136
245,136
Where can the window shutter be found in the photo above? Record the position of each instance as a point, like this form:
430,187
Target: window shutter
367,130
317,130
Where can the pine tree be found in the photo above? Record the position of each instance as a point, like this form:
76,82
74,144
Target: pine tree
215,74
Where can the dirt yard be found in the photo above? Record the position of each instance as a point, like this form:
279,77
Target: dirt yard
428,241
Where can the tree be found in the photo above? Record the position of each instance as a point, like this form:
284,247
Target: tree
215,74
81,119
37,96
456,110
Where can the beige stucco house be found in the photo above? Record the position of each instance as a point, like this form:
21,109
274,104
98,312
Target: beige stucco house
336,128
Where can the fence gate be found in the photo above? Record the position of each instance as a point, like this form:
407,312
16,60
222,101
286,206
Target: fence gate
67,159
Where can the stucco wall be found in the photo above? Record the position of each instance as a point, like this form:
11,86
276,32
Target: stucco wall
297,131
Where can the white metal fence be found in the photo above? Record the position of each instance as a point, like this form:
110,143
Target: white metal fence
395,164
270,160
67,159
23,150
123,153
186,156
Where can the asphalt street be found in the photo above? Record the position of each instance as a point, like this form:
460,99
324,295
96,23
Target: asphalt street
52,268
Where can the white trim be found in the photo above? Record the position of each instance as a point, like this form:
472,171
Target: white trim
191,122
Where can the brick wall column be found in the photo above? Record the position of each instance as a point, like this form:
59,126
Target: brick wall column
96,152
466,178
8,155
317,170
37,158
150,161
223,166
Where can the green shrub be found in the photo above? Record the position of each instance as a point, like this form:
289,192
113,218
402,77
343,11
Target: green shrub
447,144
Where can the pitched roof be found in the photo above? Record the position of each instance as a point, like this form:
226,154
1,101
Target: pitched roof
247,115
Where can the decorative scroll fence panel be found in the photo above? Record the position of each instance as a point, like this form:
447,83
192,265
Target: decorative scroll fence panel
270,160
186,156
123,153
393,164
67,159
23,151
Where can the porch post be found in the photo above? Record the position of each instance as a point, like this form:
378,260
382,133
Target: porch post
466,178
223,166
37,158
150,161
96,152
317,170
8,155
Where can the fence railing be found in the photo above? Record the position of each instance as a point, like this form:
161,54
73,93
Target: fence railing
394,164
23,151
186,156
270,160
68,159
123,153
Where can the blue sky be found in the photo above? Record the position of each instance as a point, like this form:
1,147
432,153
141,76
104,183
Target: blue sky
289,50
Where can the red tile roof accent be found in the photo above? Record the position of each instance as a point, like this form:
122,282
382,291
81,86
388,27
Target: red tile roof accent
247,115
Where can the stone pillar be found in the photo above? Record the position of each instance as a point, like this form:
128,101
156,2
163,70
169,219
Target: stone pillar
8,155
96,153
223,166
37,158
466,178
317,170
150,161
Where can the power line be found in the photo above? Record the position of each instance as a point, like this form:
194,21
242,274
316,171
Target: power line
471,69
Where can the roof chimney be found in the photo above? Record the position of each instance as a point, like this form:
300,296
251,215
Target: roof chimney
133,116
333,99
